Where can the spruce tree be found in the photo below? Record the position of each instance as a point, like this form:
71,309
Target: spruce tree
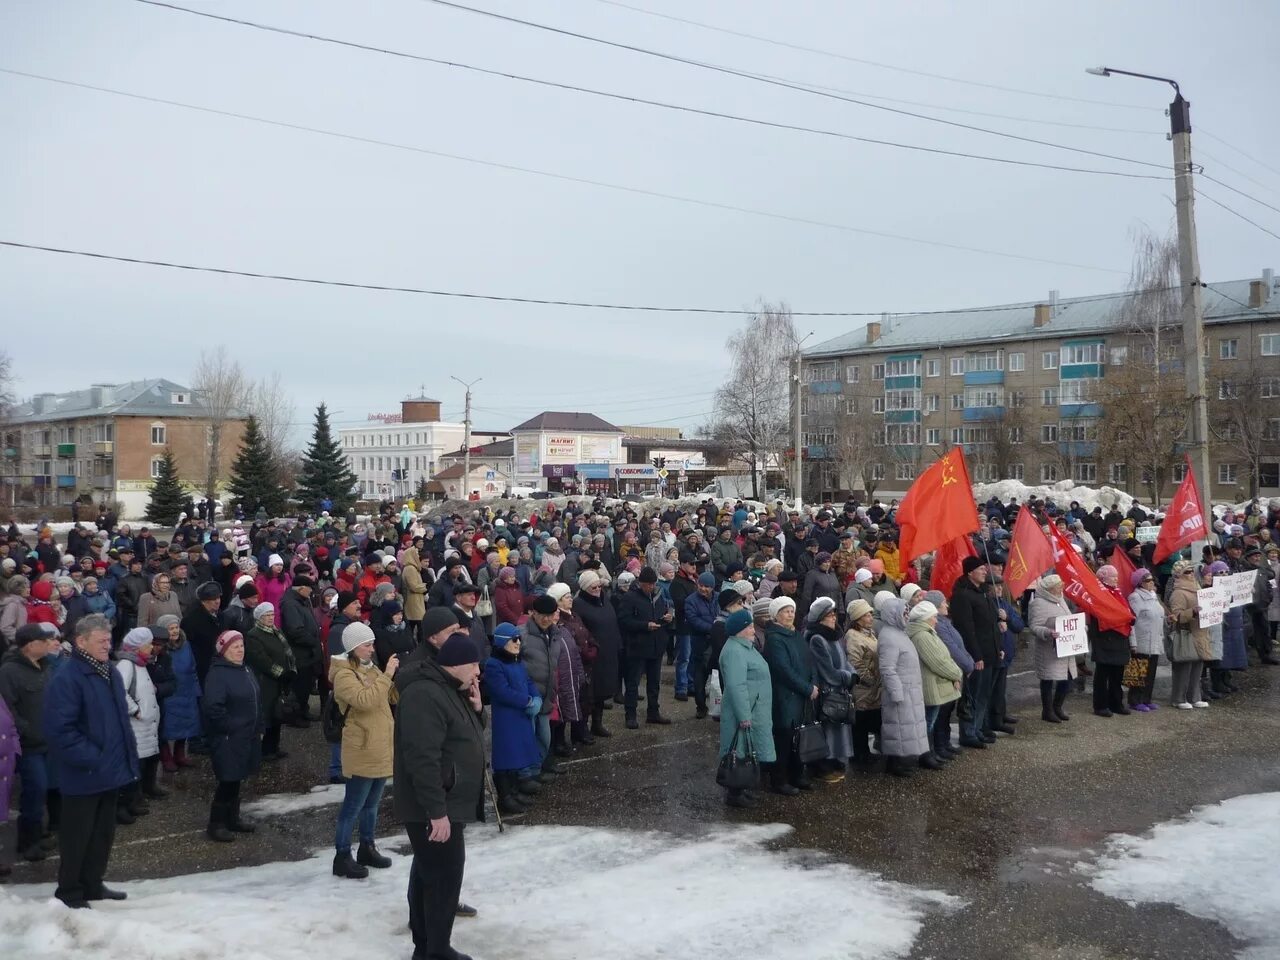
324,471
255,479
168,499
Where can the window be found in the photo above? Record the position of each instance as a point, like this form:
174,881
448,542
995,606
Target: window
1048,473
1049,397
1017,398
1179,472
1119,355
819,371
1226,390
1082,353
1077,391
364,463
1228,349
819,438
957,401
877,471
1078,431
1049,360
1086,473
1048,433
156,464
821,403
902,400
1269,344
1015,434
1272,429
180,398
933,368
902,368
379,463
984,361
1226,473
957,436
877,371
877,438
1017,362
984,397
931,403
902,434
877,405
157,435
1269,475
974,435
1119,473
851,374
1270,388
957,366
851,406
933,436
1015,471
906,471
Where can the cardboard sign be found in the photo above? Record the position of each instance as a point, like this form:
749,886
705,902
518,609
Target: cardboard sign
1072,635
1213,603
1241,587
1147,534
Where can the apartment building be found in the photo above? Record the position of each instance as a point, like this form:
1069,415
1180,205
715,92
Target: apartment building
107,442
1044,392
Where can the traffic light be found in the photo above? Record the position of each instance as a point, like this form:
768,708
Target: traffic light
659,462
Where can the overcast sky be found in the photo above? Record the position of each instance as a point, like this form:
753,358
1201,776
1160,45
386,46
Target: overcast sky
99,172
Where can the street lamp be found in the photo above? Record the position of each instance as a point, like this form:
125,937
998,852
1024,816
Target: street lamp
1189,275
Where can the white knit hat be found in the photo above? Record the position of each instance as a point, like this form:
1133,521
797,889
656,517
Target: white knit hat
863,575
262,609
354,634
558,590
274,559
881,598
588,578
908,591
778,604
924,610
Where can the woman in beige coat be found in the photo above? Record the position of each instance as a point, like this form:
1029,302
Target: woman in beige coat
1054,672
862,647
1189,643
362,695
159,602
415,591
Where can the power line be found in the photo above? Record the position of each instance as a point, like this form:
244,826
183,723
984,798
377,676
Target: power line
699,111
1247,196
731,71
1236,213
874,63
421,291
1230,146
1202,152
371,141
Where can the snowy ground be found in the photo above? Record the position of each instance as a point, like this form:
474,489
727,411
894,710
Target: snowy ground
282,804
558,893
1220,863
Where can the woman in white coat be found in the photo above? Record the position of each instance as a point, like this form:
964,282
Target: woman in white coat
904,736
1147,638
1054,672
144,718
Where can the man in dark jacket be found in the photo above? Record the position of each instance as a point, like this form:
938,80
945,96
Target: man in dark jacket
541,652
700,612
683,586
239,613
128,592
975,614
23,676
301,628
201,625
642,614
465,597
144,544
439,775
91,744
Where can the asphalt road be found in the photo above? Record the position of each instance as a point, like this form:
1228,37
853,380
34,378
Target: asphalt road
1001,827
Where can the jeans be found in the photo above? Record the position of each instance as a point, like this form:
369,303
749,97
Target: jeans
361,801
33,771
542,729
684,647
651,668
978,686
335,760
930,717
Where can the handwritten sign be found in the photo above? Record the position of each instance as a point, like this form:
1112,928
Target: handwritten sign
1241,587
1072,635
1147,534
1213,602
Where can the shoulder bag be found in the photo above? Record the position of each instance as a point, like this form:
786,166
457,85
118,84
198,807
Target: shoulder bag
332,720
837,705
484,606
807,739
735,772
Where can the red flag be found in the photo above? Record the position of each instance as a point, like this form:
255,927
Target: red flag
947,564
1184,523
1124,566
1029,554
938,507
1083,588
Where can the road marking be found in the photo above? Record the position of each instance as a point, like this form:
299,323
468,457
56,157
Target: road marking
1021,673
623,753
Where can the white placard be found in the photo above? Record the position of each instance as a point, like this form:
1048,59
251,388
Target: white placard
1213,602
1072,635
1147,534
1241,587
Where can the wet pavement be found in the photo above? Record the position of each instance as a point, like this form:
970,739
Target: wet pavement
1002,828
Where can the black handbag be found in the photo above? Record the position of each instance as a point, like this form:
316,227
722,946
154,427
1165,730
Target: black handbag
808,741
735,772
837,705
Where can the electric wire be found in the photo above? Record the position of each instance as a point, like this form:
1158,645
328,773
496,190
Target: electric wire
1236,213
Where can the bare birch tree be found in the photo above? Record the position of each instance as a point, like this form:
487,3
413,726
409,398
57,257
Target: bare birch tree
269,401
222,389
1244,417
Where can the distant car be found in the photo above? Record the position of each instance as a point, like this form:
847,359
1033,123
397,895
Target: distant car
541,495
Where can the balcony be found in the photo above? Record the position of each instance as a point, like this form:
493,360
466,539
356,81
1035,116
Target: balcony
42,450
66,480
11,453
103,448
982,413
825,386
1078,448
104,481
983,378
66,449
1072,410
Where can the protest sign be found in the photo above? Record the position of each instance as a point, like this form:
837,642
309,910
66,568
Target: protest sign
1072,635
1241,587
1213,602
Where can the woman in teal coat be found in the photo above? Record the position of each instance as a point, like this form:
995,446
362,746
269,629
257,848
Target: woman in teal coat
794,689
748,698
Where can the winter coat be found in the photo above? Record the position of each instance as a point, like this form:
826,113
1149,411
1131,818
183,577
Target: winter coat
100,602
1107,647
201,629
389,640
831,663
954,643
415,591
233,723
508,601
151,608
1148,628
475,628
597,615
541,650
1235,652
13,616
722,554
818,583
569,676
180,711
864,658
938,671
86,722
748,695
267,654
792,672
509,690
144,707
1042,616
10,750
22,687
975,614
364,695
1182,603
297,621
636,611
902,727
439,747
270,589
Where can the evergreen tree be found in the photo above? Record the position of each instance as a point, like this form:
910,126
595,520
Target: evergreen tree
255,479
324,472
168,499
422,495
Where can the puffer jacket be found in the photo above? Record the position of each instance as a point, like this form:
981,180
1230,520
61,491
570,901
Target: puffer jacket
938,671
13,616
864,657
364,695
1041,616
903,732
144,707
415,590
1147,637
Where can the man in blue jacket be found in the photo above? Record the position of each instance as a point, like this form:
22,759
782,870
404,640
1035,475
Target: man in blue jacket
700,612
91,745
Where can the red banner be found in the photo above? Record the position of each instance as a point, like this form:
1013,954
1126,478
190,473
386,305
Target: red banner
1124,566
1082,588
948,563
1184,523
1029,554
938,508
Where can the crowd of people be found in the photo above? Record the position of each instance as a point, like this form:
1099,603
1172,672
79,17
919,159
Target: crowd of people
440,648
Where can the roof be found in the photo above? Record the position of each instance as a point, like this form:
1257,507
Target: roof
574,422
138,398
1223,302
455,472
492,451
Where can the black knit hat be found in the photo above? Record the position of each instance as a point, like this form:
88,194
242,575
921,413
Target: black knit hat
436,619
456,651
545,605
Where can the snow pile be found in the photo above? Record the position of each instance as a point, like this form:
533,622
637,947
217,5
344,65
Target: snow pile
1061,493
558,893
282,804
1220,863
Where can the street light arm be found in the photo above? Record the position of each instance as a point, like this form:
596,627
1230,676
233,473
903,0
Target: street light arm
1109,71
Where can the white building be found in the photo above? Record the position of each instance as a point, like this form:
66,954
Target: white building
554,444
393,452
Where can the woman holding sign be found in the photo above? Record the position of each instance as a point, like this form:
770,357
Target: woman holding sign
1055,673
1188,640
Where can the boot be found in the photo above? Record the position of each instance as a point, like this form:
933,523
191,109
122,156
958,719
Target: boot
166,758
1059,698
149,786
559,746
896,766
580,733
598,729
550,766
510,799
123,816
180,754
235,823
529,786
1047,713
29,847
344,866
928,761
217,828
367,855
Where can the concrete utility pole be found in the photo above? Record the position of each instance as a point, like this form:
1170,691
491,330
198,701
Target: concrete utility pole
466,439
797,379
1189,277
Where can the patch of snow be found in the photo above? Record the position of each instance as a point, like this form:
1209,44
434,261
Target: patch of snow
560,893
282,804
1219,863
1061,493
